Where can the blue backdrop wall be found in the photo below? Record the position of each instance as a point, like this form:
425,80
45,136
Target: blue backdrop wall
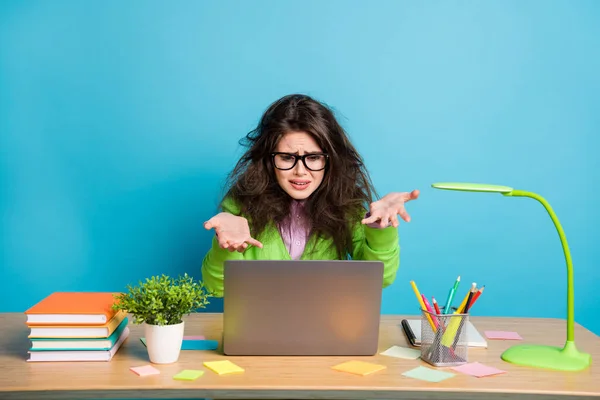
119,122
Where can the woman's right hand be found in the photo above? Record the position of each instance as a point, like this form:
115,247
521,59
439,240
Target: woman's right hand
233,232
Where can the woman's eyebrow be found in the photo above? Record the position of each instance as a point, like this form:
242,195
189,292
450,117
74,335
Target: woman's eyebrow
298,153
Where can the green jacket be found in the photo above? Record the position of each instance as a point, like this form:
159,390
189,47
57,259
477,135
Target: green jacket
368,244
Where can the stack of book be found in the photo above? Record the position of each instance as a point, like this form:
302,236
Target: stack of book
76,326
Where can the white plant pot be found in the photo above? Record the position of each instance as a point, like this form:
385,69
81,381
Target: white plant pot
164,342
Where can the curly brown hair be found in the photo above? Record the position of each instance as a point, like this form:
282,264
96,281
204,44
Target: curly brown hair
337,204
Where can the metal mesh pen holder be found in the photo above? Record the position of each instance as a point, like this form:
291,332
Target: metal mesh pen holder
447,344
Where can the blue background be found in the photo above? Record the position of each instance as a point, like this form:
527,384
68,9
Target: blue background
119,122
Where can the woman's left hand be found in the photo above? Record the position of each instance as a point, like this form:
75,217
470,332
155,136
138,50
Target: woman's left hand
386,210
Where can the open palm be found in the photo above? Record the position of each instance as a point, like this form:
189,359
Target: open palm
233,232
386,210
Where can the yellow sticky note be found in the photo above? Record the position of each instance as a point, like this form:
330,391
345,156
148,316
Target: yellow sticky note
358,367
223,367
188,375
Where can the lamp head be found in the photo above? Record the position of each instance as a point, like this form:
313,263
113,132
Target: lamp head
472,187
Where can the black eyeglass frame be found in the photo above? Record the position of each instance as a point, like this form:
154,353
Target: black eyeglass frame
301,158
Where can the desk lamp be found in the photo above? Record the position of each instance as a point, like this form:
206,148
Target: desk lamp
567,358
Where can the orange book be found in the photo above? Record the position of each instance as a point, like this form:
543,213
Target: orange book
65,308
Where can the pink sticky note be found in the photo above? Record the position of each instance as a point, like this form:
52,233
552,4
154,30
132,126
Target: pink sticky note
193,338
478,370
502,335
145,370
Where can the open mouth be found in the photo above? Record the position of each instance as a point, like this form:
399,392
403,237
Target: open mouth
299,185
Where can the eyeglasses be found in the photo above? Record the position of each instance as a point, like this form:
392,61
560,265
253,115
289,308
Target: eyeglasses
312,162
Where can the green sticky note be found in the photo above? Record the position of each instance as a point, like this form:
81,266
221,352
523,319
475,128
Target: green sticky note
428,374
143,340
188,375
402,352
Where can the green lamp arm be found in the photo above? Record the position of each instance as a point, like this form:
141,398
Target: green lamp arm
565,246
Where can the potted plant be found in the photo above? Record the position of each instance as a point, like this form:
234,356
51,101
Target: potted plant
160,303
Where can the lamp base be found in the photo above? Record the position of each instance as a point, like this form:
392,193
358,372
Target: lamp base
548,357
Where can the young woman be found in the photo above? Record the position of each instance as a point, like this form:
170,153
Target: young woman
301,192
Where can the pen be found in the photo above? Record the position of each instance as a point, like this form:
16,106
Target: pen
409,333
448,307
420,299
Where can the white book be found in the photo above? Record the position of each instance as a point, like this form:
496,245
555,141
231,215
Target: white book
80,331
79,355
474,338
66,319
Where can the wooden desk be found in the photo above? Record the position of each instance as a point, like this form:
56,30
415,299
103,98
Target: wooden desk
293,377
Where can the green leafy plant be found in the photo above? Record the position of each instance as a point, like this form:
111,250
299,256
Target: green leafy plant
162,300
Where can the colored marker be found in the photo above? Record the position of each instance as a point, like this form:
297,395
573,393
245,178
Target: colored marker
448,308
429,309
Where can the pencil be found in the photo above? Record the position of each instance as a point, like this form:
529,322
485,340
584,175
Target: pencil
414,286
467,306
450,333
462,304
470,298
435,305
476,296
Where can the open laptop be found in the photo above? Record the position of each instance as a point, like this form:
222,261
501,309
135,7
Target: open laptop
279,308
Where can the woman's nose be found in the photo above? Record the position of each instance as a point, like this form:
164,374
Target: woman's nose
300,169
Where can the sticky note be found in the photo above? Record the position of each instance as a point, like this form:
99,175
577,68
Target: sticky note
194,338
145,370
478,370
188,375
502,335
194,344
428,374
199,345
358,367
402,352
223,367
